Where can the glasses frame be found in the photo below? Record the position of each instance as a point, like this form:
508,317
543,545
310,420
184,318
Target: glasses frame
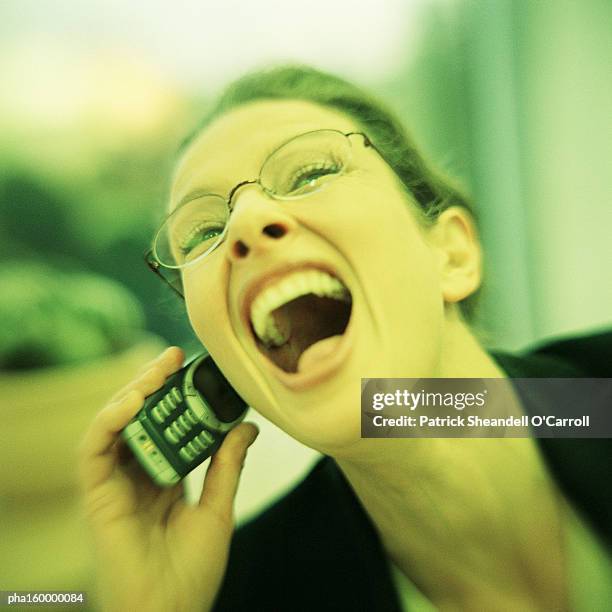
156,266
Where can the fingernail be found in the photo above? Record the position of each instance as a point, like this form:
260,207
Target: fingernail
256,435
173,350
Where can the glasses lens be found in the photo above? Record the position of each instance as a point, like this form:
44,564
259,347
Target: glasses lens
174,279
191,231
306,163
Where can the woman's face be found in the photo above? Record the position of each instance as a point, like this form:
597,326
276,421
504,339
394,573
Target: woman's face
360,229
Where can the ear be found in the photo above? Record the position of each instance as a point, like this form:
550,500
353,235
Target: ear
455,238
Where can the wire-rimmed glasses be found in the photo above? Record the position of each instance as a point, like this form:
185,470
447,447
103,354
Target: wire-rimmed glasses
296,169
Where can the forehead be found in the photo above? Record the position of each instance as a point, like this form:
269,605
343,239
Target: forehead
233,147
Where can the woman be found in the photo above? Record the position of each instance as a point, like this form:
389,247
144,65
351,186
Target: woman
328,197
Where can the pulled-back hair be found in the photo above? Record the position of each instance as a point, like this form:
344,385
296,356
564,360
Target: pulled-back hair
432,192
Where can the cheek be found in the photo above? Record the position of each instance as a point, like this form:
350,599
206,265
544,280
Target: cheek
395,267
208,314
412,263
206,307
205,299
413,317
376,229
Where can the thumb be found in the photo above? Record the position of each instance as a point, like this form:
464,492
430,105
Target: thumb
223,475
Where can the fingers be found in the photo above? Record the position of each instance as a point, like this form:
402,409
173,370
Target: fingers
152,376
109,422
124,405
97,460
223,475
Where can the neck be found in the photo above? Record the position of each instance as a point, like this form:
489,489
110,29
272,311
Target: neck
457,515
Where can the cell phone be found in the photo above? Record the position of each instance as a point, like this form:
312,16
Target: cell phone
184,422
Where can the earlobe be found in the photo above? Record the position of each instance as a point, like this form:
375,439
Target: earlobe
455,238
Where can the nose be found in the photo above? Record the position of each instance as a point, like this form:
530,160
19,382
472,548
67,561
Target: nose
257,225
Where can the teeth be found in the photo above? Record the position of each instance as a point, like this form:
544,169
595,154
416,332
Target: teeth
286,289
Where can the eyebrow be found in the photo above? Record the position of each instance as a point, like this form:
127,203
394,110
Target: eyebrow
198,193
194,195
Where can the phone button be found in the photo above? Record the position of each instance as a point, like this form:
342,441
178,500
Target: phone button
193,448
195,443
171,436
157,414
205,438
178,428
184,422
192,417
186,454
166,406
176,395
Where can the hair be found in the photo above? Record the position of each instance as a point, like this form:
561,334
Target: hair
432,192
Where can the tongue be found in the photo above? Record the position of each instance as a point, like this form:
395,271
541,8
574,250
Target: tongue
317,351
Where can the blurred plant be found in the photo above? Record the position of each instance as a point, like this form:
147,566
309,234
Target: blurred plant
101,221
54,317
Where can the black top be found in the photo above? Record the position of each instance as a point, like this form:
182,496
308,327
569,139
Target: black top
316,549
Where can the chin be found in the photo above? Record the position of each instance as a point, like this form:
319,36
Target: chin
327,416
331,421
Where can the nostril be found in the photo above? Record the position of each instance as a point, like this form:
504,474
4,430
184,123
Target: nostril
274,230
240,249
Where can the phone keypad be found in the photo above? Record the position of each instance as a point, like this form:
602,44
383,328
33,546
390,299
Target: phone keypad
181,426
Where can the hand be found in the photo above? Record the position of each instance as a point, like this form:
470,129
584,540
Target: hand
153,551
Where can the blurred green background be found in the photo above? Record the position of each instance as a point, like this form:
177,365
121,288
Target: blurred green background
512,97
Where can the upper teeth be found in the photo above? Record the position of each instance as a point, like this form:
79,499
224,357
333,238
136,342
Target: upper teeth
286,289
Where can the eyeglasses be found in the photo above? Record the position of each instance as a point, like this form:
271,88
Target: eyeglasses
301,166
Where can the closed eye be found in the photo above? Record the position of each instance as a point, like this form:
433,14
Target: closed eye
310,176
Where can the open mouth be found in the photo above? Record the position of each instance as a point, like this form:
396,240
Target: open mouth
300,319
